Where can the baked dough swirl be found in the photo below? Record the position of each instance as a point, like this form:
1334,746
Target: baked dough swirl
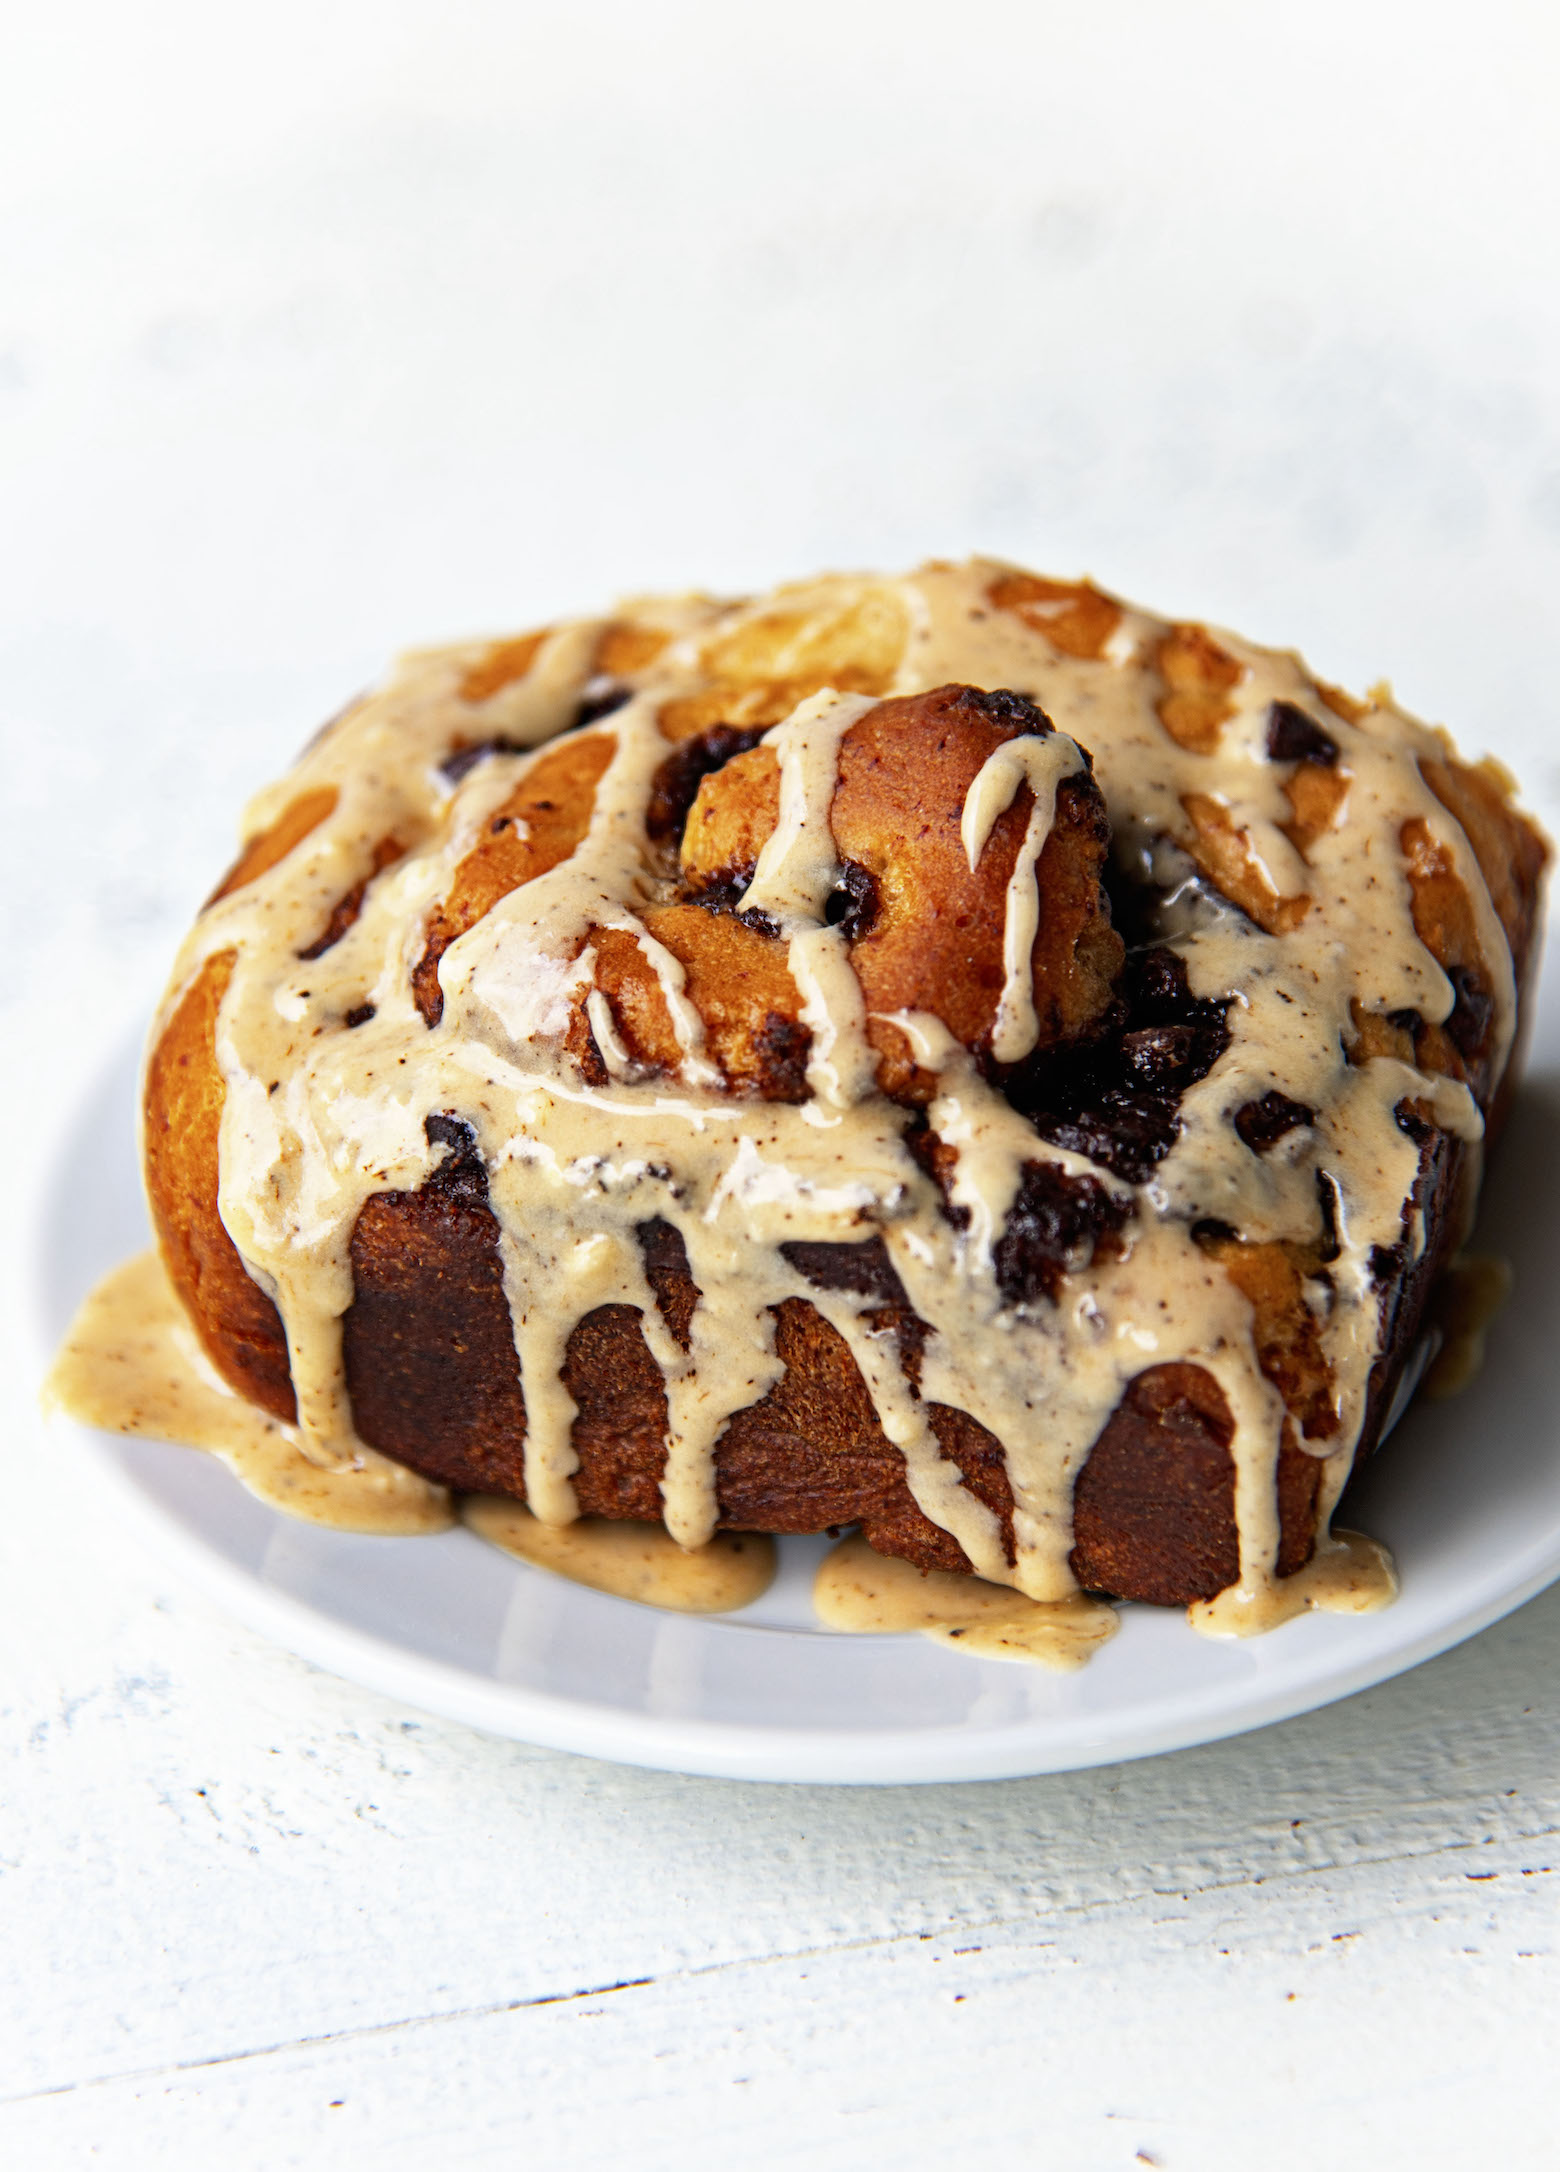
952,1054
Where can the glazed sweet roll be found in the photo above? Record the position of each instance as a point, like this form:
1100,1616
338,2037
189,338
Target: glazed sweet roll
953,1056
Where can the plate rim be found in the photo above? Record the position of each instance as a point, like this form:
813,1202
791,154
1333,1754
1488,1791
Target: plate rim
720,1749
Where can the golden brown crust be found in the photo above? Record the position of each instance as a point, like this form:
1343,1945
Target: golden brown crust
730,821
926,930
1154,1507
500,665
1317,797
1224,853
276,840
934,942
1075,616
182,1121
624,649
1512,857
1511,853
428,1344
431,1371
1348,706
1200,678
1445,923
736,978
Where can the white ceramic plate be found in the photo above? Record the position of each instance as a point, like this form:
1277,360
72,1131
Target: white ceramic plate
1467,1495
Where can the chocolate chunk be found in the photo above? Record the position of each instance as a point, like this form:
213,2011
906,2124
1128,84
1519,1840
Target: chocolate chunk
932,1153
783,1046
343,915
1157,982
1057,1224
600,697
675,786
463,759
1263,1123
1117,1098
1159,1054
724,892
360,1014
462,1173
853,902
1212,1232
1292,736
1127,1134
1003,706
1412,1124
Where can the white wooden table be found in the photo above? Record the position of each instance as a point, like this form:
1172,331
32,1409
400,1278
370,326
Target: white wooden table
361,325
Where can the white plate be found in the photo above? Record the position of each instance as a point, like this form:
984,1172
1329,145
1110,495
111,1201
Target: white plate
1466,1494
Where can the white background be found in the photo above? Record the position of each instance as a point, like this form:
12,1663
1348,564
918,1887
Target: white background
327,328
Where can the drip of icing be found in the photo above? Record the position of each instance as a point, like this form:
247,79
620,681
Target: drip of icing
687,1025
936,1484
318,1117
796,871
1040,763
1347,1574
604,1032
548,1292
730,1363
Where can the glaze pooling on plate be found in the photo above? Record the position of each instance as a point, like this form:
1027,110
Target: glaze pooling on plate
870,1594
1273,822
640,1561
132,1363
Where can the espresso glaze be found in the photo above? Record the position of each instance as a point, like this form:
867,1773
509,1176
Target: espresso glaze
131,1364
866,1593
331,1072
631,1560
